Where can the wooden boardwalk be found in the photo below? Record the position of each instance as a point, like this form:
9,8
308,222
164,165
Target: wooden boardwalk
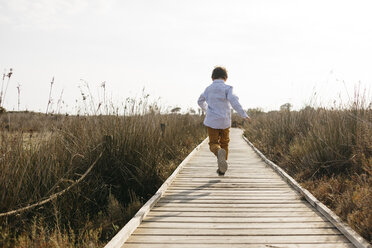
251,206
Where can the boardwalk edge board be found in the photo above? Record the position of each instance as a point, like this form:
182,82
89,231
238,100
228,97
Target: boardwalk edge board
121,237
344,228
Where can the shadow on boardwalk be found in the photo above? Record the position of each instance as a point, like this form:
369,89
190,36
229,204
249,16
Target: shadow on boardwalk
186,200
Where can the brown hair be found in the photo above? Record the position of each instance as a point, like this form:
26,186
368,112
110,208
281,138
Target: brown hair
219,72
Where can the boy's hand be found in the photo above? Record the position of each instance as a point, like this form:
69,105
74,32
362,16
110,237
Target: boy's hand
247,119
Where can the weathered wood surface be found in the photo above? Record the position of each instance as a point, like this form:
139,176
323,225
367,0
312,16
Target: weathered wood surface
251,206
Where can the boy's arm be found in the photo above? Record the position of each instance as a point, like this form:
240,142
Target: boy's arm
234,101
201,102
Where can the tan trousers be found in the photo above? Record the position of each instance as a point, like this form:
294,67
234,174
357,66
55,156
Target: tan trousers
219,138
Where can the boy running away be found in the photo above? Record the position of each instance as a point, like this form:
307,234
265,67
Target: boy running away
217,100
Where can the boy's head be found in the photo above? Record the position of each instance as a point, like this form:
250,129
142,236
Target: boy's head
219,73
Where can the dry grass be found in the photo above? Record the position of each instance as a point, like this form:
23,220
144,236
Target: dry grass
137,158
329,151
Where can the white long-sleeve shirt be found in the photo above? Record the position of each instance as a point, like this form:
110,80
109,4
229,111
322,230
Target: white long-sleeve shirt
217,100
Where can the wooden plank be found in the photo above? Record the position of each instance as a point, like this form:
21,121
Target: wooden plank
212,169
235,187
235,225
230,201
226,177
231,192
227,197
204,205
209,197
226,189
275,191
228,173
230,214
214,176
221,180
273,245
236,194
309,239
232,163
229,180
232,184
235,219
235,232
231,168
238,210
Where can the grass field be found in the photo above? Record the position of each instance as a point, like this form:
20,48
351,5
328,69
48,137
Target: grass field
40,155
329,151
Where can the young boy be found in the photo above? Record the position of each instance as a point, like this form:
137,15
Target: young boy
217,100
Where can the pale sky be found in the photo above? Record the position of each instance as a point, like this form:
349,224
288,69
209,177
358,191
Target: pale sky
275,51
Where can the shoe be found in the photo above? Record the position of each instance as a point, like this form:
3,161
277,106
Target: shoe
221,160
220,173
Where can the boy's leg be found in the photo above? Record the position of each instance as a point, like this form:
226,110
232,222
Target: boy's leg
214,144
225,139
